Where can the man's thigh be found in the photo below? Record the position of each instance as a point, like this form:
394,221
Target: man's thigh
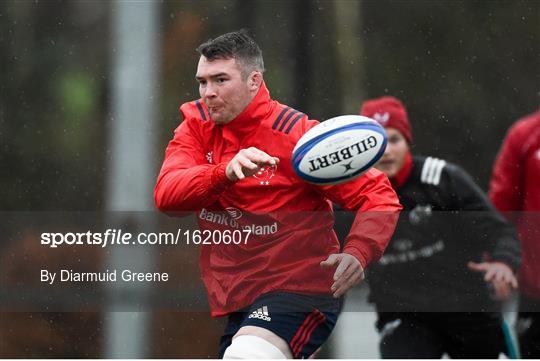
404,336
475,335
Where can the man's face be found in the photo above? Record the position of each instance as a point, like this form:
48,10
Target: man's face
394,156
222,89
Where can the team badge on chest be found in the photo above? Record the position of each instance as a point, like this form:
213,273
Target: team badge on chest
265,174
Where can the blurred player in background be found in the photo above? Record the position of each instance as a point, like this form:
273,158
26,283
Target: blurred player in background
515,186
230,160
432,286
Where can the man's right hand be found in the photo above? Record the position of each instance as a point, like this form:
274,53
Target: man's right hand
247,162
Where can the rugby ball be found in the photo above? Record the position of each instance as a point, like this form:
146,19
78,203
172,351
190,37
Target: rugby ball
339,149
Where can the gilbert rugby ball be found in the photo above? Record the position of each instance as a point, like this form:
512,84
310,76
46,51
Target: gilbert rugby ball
339,149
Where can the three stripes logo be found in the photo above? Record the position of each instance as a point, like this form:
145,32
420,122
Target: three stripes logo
287,119
261,313
432,170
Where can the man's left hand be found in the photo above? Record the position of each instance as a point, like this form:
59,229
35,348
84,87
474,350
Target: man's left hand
499,274
349,272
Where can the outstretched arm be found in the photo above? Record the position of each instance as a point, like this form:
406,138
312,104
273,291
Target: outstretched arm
377,210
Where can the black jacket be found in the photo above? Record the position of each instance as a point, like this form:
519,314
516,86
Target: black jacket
447,221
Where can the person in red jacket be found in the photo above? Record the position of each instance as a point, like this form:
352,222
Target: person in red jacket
230,161
515,187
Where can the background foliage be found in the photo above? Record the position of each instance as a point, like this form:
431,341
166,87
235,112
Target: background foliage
465,69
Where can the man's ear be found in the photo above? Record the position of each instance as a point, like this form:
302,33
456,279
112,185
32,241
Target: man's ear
255,80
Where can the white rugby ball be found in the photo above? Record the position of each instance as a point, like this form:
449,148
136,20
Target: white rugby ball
339,149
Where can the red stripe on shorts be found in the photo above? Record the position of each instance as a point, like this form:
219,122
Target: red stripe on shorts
301,329
308,330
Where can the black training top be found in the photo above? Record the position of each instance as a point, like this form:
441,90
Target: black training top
447,221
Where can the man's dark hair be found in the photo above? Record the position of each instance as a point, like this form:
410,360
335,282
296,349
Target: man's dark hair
237,45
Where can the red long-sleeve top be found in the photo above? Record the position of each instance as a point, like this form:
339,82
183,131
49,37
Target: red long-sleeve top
515,187
291,220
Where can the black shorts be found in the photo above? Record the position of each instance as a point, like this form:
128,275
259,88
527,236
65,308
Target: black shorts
303,321
431,335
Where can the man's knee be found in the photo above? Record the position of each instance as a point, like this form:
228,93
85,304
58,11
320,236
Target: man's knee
249,347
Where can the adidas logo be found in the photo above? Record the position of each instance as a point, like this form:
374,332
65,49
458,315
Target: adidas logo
261,313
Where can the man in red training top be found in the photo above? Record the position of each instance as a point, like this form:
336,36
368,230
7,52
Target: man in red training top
515,186
230,160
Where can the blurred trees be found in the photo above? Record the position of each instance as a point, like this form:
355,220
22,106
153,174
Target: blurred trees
52,104
465,69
